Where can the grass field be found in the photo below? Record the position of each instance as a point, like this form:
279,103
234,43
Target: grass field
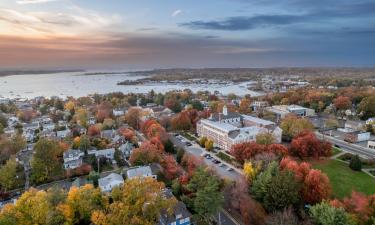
336,151
344,180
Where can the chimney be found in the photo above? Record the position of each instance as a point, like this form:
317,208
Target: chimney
225,110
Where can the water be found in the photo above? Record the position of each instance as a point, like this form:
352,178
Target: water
77,84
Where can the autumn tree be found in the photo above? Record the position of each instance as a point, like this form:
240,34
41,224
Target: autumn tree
293,126
181,121
366,108
244,106
170,167
140,202
284,217
265,138
8,173
46,161
133,116
94,130
104,111
306,144
81,203
82,117
342,103
145,154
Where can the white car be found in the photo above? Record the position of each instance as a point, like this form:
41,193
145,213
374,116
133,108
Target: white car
229,169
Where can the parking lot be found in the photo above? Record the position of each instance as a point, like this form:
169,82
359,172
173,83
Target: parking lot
223,169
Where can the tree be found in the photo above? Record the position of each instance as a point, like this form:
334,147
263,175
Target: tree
282,191
133,116
250,171
181,121
140,202
46,160
244,107
170,167
104,111
366,108
18,143
202,141
81,203
293,125
306,144
260,185
197,105
355,163
342,103
3,120
84,143
316,187
265,138
285,217
8,173
94,130
207,198
82,117
246,151
147,153
324,214
209,145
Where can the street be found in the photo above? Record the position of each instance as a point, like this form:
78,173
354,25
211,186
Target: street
348,147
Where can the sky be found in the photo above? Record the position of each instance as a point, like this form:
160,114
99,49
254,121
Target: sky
147,34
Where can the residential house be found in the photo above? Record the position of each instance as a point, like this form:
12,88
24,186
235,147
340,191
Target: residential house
371,145
107,153
126,149
119,112
357,136
142,171
72,159
106,184
179,216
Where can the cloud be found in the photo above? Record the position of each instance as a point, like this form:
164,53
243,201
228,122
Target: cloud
244,23
176,13
71,22
23,2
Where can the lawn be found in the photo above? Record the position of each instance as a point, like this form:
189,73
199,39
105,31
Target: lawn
344,180
336,151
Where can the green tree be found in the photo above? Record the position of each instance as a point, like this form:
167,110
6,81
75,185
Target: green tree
207,198
282,191
84,143
202,141
260,185
366,108
355,163
46,160
3,120
197,105
265,138
324,214
8,174
18,143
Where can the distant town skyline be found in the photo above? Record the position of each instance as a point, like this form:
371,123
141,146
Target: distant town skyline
146,34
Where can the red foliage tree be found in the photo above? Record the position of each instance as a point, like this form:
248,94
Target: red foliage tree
306,144
93,130
127,133
316,187
360,205
315,184
182,121
277,149
190,163
342,103
145,154
170,167
246,151
104,111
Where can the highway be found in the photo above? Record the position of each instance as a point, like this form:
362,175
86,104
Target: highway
348,147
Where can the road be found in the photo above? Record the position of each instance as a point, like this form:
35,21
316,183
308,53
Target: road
223,217
348,147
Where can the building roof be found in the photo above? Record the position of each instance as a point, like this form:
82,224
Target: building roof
111,178
142,171
258,120
225,127
221,116
71,153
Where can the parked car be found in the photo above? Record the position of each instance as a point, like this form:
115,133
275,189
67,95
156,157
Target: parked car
229,169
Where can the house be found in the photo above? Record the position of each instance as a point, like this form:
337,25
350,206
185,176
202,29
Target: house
258,105
179,216
142,171
72,159
106,184
108,134
31,126
357,136
107,153
118,112
92,120
62,133
126,149
229,128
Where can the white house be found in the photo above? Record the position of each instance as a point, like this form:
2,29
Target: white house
107,153
106,184
371,145
72,159
370,121
142,171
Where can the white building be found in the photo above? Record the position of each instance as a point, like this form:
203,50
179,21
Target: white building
227,129
106,184
140,172
107,153
282,110
72,159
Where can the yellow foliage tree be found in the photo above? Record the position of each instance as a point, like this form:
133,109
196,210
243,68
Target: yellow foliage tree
250,171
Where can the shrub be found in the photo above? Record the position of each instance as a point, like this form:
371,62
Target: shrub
355,163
